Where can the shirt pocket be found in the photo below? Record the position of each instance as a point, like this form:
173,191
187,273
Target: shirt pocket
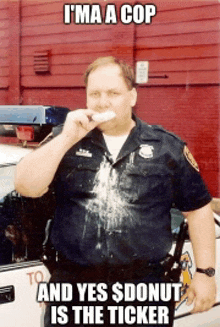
77,176
146,182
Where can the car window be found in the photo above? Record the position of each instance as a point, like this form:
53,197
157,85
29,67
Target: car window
6,179
22,219
176,220
22,226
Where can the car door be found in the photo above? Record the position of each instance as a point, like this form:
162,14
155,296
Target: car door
21,237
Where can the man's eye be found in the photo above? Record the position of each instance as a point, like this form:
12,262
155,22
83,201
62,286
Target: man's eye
114,93
94,94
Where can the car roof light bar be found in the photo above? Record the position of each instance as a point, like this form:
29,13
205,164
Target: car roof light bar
32,115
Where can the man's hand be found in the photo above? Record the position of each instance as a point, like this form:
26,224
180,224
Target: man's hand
202,291
78,123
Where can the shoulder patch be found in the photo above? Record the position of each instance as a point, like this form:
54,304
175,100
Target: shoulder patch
189,157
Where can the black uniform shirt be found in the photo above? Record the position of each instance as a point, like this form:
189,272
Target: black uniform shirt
120,211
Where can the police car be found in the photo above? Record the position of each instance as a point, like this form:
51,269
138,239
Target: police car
23,221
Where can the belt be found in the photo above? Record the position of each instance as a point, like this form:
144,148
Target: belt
106,272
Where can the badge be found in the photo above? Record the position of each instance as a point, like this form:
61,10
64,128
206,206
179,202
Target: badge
146,151
83,153
190,159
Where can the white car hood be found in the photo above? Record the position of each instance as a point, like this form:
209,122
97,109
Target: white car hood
9,157
10,154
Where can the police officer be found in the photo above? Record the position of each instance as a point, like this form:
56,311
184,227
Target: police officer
115,182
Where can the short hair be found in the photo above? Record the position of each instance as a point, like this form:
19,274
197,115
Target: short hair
127,71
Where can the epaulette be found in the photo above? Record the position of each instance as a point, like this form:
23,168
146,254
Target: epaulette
163,130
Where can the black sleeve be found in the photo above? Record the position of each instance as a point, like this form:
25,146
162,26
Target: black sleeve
190,191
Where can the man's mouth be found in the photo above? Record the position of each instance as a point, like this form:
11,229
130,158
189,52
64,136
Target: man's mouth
104,116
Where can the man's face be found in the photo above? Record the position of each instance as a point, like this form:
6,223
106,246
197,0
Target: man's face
107,90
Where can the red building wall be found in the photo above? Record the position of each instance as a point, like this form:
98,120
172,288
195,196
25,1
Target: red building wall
4,42
182,43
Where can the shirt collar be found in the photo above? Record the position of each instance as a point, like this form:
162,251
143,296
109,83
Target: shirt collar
139,134
145,131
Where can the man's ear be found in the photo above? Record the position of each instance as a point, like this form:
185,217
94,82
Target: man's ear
133,94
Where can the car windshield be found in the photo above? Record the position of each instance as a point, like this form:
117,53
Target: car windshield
9,157
6,180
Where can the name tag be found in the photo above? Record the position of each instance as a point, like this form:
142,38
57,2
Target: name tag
83,153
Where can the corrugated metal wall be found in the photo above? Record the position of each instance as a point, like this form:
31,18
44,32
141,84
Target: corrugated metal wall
182,42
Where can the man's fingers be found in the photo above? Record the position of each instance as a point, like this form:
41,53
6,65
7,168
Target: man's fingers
184,297
83,121
203,299
82,118
190,297
201,305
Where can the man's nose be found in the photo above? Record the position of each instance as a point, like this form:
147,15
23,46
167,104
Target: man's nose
104,101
